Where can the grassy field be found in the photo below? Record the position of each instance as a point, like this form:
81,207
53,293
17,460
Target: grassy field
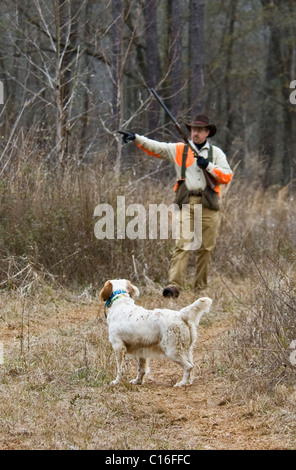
58,363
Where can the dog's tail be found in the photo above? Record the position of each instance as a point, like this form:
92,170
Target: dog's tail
195,311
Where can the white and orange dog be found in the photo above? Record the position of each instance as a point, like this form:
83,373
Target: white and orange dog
146,333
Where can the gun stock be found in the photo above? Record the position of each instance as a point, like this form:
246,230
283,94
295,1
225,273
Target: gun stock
210,180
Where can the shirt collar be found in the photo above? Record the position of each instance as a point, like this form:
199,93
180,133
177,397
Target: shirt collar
206,145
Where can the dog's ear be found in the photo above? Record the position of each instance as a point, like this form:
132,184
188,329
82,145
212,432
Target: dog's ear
132,290
106,292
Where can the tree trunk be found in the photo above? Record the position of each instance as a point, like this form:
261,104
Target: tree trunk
289,118
272,132
176,57
228,82
152,62
86,97
65,39
117,75
196,56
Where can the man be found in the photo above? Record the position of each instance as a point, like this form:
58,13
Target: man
210,159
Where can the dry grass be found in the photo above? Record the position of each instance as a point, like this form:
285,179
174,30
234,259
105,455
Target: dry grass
47,223
262,244
55,391
54,384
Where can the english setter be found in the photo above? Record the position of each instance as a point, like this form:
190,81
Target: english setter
146,333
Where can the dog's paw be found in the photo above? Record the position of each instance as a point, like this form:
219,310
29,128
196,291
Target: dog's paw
114,382
179,384
136,381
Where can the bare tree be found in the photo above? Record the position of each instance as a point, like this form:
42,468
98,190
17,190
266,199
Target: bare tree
278,118
121,48
48,61
176,75
152,59
117,61
196,48
77,72
229,39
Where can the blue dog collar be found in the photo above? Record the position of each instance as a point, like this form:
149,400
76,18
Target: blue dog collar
112,299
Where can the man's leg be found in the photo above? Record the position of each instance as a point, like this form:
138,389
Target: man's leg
182,248
178,266
210,225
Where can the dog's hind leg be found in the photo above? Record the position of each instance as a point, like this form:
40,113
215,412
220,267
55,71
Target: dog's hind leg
177,346
186,363
142,368
187,374
120,351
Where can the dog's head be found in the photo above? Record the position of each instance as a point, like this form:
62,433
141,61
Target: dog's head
118,285
205,304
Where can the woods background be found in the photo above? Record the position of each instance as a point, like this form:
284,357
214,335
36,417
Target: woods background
74,73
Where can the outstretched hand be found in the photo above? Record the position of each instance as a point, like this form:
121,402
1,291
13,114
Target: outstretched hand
127,136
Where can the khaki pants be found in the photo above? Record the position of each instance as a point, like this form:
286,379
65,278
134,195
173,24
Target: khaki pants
210,224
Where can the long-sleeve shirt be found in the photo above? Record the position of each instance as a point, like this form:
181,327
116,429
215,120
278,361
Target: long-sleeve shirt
195,179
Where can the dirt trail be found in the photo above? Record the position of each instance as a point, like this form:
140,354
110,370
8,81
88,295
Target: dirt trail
203,413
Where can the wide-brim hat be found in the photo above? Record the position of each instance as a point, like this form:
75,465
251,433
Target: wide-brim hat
202,121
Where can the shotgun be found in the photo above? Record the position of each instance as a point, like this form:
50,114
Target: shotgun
211,182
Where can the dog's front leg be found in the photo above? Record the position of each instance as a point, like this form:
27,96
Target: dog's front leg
120,355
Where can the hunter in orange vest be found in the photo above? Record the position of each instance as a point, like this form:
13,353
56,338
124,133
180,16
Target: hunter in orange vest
191,169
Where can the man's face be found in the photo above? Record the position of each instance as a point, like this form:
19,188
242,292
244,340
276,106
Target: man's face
199,134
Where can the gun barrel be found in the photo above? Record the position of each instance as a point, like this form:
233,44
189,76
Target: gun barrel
163,105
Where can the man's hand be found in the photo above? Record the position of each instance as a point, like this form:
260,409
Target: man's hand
127,136
203,162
